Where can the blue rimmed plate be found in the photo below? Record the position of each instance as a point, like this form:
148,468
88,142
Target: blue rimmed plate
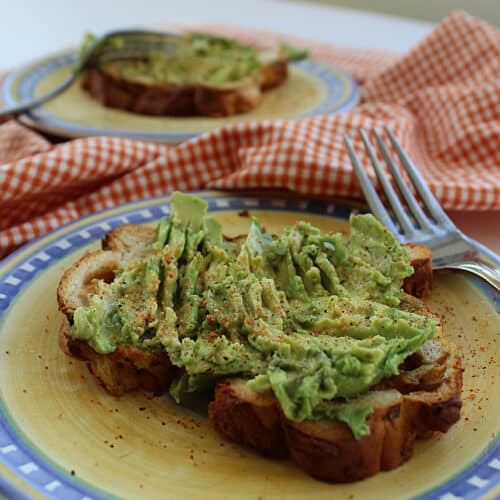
312,88
62,436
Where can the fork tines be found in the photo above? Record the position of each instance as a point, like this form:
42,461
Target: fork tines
408,229
132,44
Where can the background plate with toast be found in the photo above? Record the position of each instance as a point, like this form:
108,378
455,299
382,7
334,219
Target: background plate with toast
63,436
312,88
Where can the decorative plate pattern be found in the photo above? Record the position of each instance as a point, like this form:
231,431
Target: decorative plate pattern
312,88
57,427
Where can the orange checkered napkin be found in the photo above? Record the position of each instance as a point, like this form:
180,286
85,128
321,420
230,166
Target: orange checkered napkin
442,100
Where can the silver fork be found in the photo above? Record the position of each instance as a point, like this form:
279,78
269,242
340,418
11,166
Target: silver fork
115,45
451,249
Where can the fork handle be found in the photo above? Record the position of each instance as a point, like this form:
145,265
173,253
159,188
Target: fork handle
481,269
38,101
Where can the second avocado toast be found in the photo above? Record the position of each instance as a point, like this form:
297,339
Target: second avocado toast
314,349
205,75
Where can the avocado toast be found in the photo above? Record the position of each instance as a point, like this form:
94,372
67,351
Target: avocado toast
314,349
205,75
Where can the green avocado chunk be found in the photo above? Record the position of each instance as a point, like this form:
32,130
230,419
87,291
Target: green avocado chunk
194,58
314,317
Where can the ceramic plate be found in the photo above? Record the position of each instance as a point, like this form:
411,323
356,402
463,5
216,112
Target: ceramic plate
312,88
63,436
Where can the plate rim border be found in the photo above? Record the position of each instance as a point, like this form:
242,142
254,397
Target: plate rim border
58,126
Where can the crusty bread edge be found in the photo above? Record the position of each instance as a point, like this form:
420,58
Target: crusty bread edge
419,284
125,369
327,450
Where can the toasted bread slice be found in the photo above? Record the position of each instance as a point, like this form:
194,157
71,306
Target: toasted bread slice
419,284
120,247
127,368
247,417
173,99
422,400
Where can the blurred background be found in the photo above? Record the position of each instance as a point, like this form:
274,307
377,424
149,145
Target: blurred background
34,28
427,10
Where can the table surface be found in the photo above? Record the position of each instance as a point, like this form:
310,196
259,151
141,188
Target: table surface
31,29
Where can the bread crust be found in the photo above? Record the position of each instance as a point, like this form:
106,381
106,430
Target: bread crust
334,455
253,419
327,449
125,369
419,284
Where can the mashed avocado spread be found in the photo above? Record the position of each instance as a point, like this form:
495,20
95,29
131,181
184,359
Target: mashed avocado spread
313,318
196,59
